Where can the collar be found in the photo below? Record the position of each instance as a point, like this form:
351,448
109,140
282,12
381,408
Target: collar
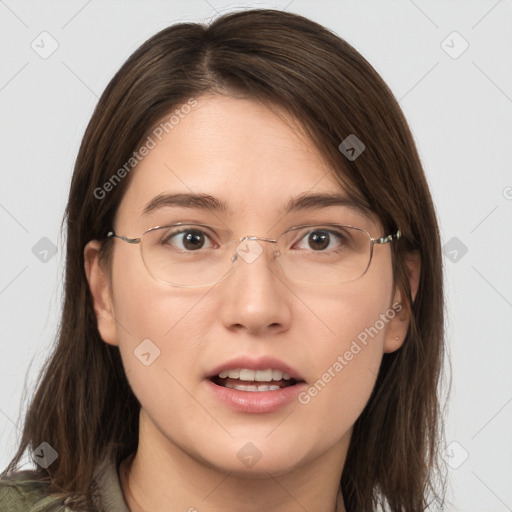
109,484
112,499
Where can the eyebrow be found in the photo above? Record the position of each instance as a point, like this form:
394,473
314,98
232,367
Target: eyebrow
207,202
198,201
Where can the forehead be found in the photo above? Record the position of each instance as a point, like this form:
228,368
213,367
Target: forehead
252,159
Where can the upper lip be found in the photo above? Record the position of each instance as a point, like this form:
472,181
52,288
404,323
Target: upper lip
260,363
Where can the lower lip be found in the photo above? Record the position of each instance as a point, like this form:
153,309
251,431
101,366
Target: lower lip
256,402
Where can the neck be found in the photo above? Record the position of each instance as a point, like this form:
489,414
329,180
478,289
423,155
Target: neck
154,478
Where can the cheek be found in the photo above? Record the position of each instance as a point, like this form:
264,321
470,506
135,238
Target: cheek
161,330
146,307
344,356
161,341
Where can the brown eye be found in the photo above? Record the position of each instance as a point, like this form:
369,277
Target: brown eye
187,240
319,240
193,240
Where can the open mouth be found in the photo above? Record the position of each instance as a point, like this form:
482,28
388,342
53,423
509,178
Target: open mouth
242,379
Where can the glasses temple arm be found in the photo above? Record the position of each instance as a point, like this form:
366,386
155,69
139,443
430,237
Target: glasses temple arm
123,238
388,238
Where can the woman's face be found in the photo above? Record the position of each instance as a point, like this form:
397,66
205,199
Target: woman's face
175,341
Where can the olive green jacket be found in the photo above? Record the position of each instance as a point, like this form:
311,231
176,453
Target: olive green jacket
17,496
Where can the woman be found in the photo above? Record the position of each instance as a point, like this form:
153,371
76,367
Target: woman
253,315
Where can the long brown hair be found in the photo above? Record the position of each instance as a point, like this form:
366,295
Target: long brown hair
84,407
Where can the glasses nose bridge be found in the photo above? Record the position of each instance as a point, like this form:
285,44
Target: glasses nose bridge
263,239
240,242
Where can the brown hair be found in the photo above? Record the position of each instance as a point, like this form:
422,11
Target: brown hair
84,407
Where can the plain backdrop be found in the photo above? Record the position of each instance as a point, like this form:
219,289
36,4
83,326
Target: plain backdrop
449,64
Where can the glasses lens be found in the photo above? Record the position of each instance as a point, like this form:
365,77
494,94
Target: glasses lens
325,254
186,255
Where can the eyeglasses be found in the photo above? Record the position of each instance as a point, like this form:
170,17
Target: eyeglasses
197,255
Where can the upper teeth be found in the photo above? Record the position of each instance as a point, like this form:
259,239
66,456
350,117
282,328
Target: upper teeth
254,375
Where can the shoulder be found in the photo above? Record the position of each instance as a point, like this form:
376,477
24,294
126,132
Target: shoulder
20,493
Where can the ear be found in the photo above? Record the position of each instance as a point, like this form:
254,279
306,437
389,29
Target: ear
399,324
99,284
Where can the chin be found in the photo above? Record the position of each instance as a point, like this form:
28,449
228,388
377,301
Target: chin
254,456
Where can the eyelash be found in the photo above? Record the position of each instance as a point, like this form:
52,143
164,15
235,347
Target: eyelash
191,229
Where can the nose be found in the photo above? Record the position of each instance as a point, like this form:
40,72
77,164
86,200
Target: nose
255,295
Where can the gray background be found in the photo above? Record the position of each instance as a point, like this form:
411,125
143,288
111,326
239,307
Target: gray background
459,106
